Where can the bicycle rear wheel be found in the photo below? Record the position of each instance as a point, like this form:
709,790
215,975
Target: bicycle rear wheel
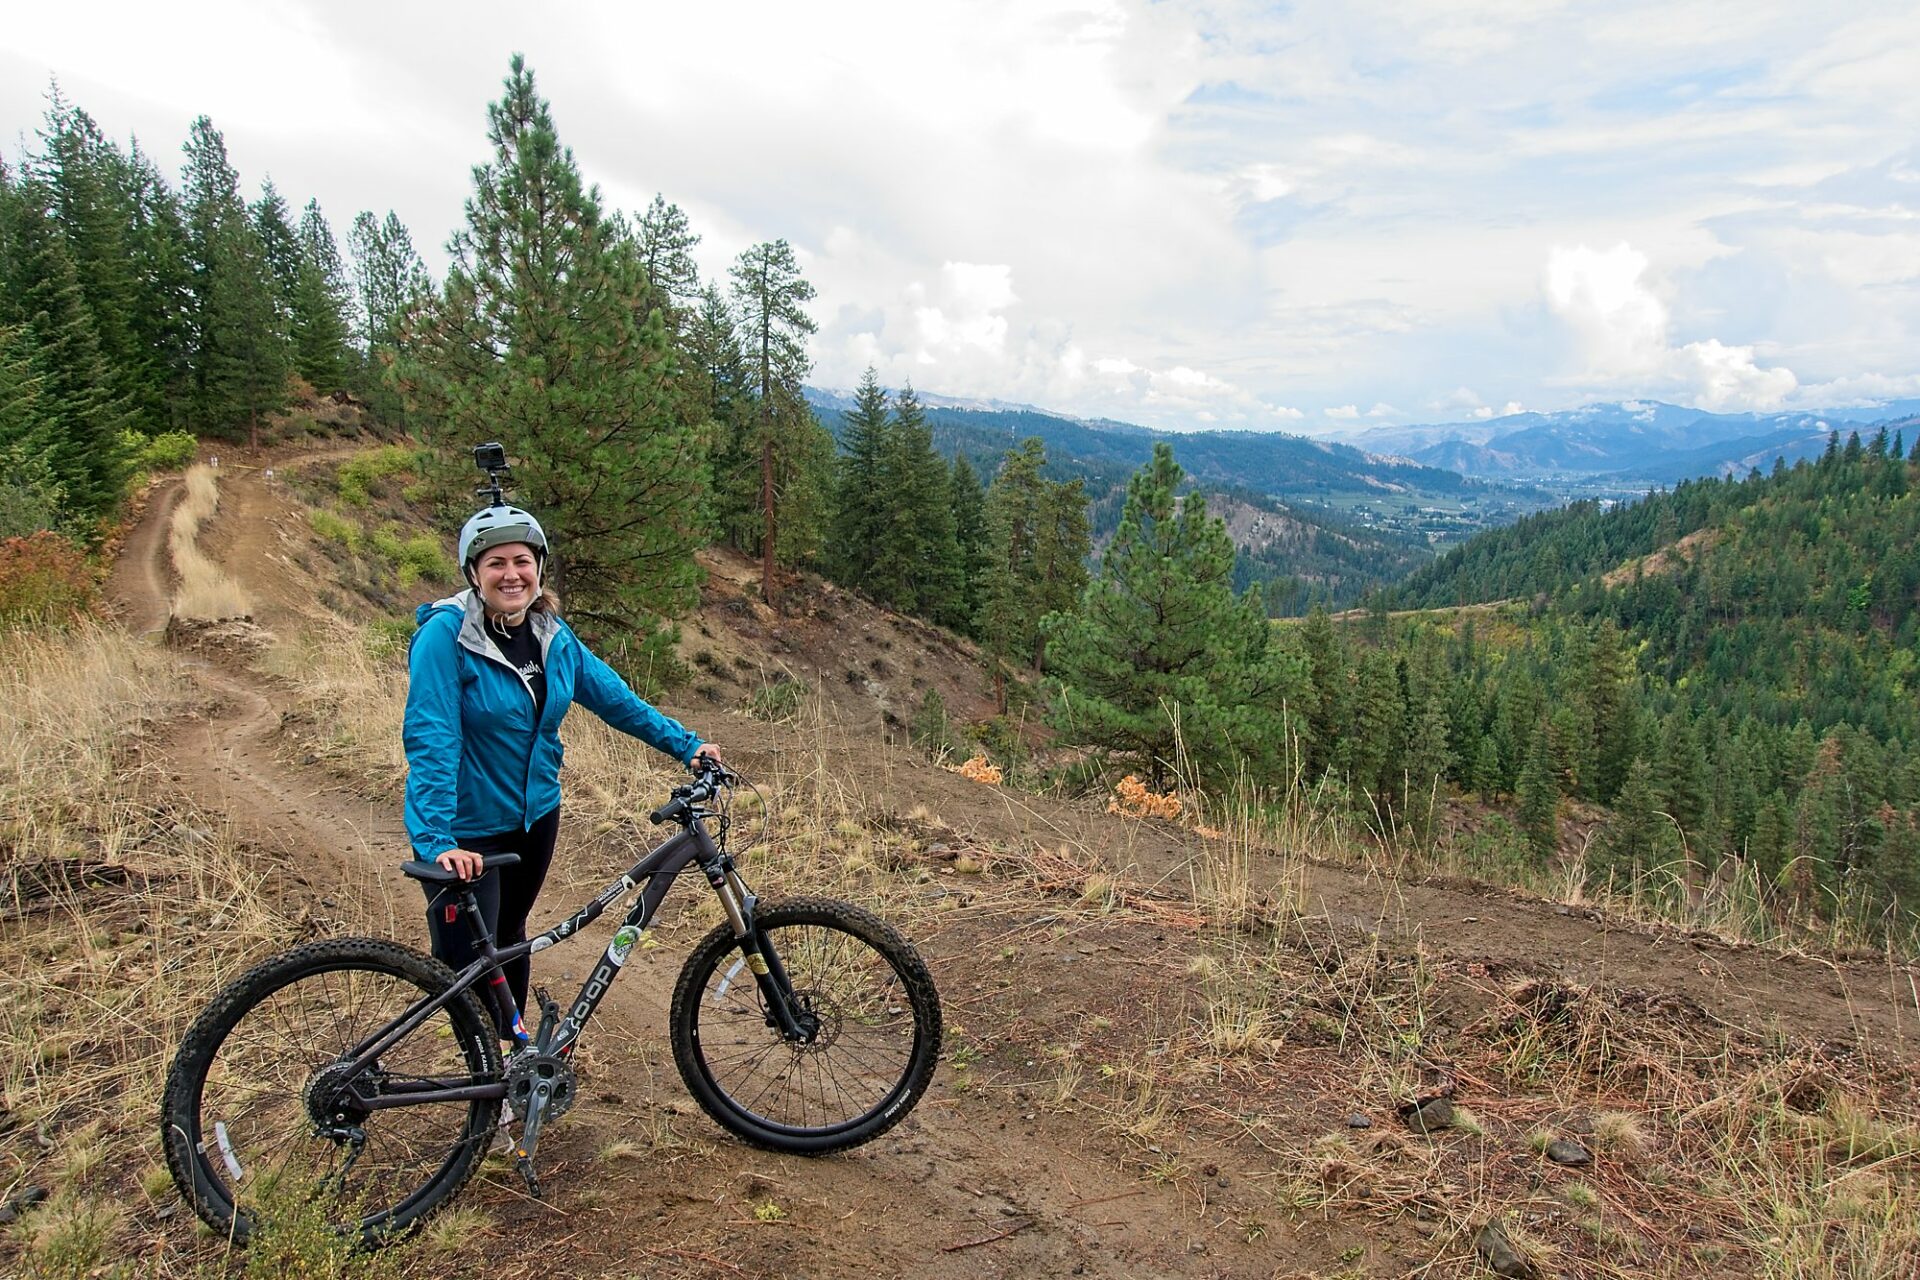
249,1118
878,1038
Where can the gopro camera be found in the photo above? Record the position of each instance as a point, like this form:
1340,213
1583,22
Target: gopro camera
492,459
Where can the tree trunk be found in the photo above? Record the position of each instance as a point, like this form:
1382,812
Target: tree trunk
766,514
253,430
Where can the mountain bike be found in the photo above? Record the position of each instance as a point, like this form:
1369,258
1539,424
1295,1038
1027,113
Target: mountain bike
362,1073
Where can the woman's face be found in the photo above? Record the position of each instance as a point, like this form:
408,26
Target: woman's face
509,578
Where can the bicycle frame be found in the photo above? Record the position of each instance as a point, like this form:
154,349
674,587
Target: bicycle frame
653,875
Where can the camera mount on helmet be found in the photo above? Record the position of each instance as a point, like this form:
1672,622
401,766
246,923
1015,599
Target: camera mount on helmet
492,459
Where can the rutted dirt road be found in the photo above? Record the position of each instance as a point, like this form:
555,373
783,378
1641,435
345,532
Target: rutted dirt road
1020,1161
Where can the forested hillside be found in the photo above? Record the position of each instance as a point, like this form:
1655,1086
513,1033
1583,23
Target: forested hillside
1755,644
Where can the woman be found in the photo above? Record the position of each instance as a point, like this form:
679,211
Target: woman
491,674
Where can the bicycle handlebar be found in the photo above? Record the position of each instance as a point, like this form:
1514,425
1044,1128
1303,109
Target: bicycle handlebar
708,779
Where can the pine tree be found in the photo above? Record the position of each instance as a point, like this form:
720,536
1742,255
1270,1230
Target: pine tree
241,358
556,365
771,297
389,276
29,493
1683,774
321,302
78,417
279,248
1037,542
1326,700
1638,836
916,560
1160,652
858,500
666,240
89,198
714,355
393,287
1539,796
969,502
1429,759
162,321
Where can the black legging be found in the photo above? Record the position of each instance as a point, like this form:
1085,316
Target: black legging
506,896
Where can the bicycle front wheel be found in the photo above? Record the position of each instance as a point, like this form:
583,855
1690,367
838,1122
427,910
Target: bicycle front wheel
261,1118
866,993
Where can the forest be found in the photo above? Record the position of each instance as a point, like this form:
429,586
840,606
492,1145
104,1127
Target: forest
1712,685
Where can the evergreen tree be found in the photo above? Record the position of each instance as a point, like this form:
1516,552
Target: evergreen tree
1327,699
321,305
556,365
666,241
29,492
1160,651
1037,544
279,248
389,276
76,416
163,319
969,503
1428,761
1683,774
87,184
241,357
771,296
1638,836
858,501
1539,795
714,353
916,563
393,286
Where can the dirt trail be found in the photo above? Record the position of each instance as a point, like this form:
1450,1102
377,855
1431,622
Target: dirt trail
942,1179
991,1176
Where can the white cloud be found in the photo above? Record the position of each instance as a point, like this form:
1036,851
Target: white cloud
1621,328
1344,412
1173,212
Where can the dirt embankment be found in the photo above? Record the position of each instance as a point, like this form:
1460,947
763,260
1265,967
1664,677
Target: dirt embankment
1098,1114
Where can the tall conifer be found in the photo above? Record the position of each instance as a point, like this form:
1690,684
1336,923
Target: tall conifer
536,342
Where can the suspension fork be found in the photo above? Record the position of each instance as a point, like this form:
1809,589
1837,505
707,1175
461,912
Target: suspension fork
769,974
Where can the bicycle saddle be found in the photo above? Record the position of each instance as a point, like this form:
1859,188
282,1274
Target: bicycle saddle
434,873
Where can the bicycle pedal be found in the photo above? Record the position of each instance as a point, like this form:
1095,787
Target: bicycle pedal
524,1166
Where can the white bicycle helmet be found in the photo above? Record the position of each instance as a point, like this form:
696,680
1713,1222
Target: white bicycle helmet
496,527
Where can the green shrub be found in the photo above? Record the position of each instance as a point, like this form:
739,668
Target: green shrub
333,528
423,556
359,473
168,451
777,702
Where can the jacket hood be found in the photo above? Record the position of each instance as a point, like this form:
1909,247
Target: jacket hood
472,614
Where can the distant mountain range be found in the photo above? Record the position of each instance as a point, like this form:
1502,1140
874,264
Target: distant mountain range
1264,462
1632,442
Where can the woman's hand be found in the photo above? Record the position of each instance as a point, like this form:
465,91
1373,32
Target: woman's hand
707,751
462,863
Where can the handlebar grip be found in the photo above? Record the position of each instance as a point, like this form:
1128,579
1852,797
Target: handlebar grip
668,812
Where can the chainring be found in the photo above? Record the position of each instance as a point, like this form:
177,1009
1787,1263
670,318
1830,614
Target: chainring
526,1069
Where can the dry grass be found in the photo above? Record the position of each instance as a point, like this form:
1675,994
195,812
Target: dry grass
205,592
121,911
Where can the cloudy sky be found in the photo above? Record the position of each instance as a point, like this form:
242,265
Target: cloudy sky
1295,216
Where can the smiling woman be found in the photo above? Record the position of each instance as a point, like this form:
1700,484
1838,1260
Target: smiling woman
492,672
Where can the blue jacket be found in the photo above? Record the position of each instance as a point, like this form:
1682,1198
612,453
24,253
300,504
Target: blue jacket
477,764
